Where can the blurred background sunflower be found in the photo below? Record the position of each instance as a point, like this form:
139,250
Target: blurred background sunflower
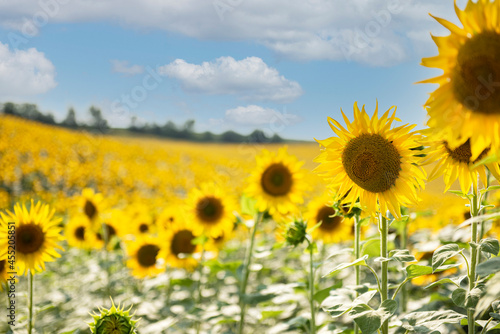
177,247
143,257
277,182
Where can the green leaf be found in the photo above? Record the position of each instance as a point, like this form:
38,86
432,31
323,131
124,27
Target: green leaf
490,245
455,280
495,316
270,314
256,298
341,306
415,270
369,320
322,294
428,322
488,267
371,247
248,205
459,193
458,296
359,262
474,295
444,253
402,255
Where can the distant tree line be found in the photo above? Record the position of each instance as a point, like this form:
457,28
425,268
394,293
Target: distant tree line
169,130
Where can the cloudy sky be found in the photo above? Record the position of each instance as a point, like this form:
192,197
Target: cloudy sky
281,65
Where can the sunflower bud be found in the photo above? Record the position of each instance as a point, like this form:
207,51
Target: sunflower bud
296,233
113,321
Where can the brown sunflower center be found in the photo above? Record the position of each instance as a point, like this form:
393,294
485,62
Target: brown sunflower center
143,228
463,154
80,233
476,76
2,265
209,209
329,223
277,180
146,256
110,230
90,209
372,162
29,238
182,242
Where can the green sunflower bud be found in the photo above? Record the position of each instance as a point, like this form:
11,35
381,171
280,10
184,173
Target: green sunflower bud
116,320
296,233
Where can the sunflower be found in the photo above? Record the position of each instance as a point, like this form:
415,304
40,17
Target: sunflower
78,232
109,228
370,162
458,164
140,219
177,245
211,208
143,257
466,106
90,203
36,233
277,183
334,228
3,273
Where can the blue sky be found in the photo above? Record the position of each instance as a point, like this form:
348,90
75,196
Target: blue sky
281,66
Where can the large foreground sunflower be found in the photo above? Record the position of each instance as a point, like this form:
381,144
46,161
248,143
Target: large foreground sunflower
458,164
371,162
143,257
277,182
334,228
466,106
36,235
212,209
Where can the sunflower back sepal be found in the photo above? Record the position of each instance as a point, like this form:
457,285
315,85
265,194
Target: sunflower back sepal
115,320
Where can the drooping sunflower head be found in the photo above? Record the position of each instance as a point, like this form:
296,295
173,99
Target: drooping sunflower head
372,163
212,209
277,182
37,234
466,106
91,204
143,257
458,163
334,227
178,245
115,320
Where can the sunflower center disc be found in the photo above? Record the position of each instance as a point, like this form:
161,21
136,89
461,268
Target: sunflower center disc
80,233
476,77
181,243
110,231
143,228
2,265
372,162
146,256
29,238
114,324
90,209
463,153
276,180
329,223
209,209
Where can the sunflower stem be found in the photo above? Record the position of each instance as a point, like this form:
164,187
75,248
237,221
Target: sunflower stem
30,301
246,273
383,229
404,289
311,287
199,294
357,252
474,212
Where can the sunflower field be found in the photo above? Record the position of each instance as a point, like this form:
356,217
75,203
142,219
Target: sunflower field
379,228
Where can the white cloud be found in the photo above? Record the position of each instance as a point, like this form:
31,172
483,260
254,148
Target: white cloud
122,66
295,29
256,115
25,73
249,78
